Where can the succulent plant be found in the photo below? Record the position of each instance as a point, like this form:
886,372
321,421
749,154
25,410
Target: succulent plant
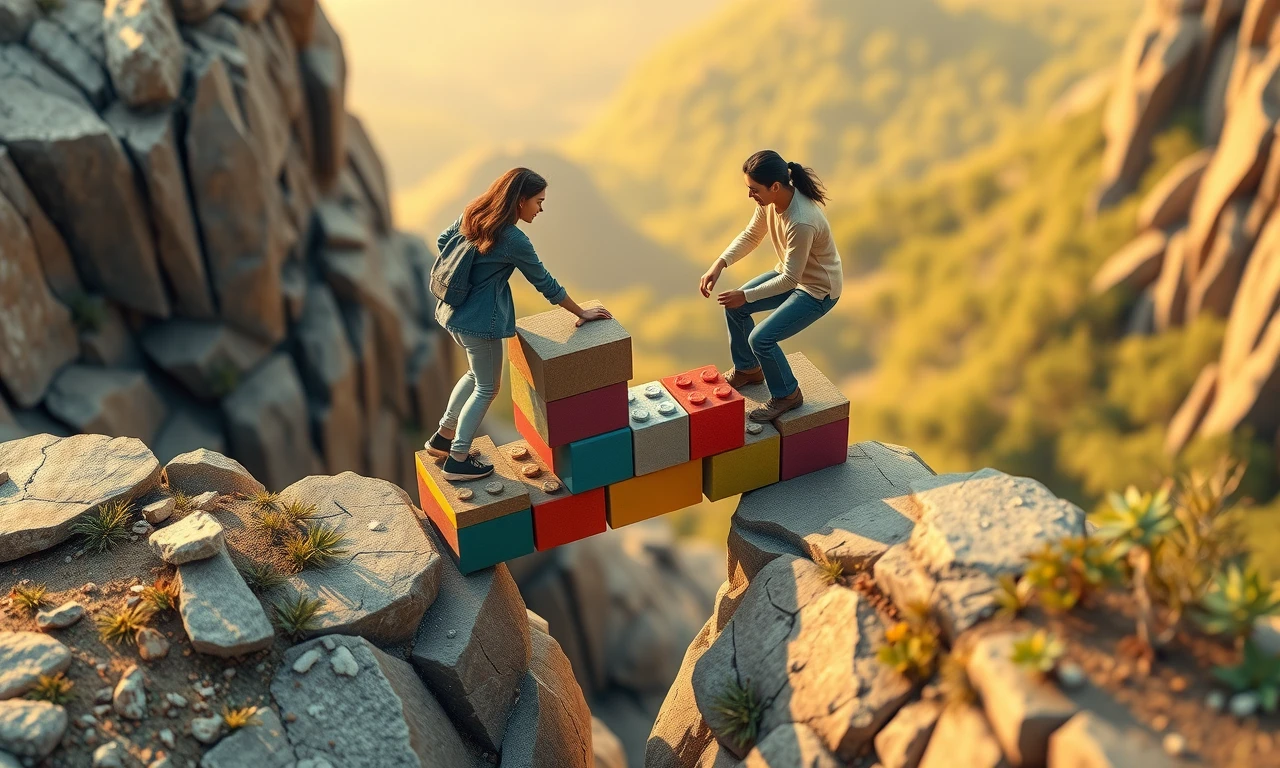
1237,599
297,616
1014,595
1065,573
1039,651
1257,671
1136,519
910,649
739,709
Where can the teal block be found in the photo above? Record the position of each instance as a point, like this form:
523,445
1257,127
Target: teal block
495,541
595,462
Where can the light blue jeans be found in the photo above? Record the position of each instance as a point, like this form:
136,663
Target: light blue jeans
475,391
752,345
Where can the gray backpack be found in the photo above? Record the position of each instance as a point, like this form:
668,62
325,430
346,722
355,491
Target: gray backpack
451,274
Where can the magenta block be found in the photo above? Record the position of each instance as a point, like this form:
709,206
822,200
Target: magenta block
815,449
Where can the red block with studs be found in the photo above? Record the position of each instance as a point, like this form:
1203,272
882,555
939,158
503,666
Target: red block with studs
716,410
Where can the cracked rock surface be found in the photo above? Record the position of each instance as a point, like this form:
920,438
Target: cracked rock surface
382,585
53,486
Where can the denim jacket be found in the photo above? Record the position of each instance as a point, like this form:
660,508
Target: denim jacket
489,311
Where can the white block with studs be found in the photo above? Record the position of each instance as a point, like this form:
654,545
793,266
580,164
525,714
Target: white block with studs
659,428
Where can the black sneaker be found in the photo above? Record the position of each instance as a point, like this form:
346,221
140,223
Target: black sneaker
437,446
472,468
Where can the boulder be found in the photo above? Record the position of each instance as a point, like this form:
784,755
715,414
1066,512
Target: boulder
324,75
341,228
1252,395
473,649
39,337
1214,288
680,735
105,338
107,401
235,205
902,742
68,155
1170,201
194,537
370,172
1155,62
16,18
27,656
388,577
145,55
221,616
1238,162
1255,302
203,470
797,665
1089,741
268,425
331,378
19,63
550,725
606,749
208,359
263,745
31,728
189,428
383,717
793,744
1133,267
1024,710
61,479
151,139
1169,294
55,46
1182,428
195,11
54,258
358,278
962,737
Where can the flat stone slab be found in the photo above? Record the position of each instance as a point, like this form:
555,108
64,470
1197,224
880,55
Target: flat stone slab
987,521
550,722
203,470
221,616
158,511
60,617
382,717
473,649
31,728
25,656
853,511
390,573
807,648
194,537
264,745
902,742
55,481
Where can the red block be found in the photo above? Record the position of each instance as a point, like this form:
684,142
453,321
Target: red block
559,517
716,411
814,449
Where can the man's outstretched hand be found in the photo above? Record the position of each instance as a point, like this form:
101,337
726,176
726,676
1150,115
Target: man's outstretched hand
732,299
593,313
709,279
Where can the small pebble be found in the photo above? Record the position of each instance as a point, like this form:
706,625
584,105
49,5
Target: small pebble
206,730
306,661
206,692
1178,684
290,717
66,559
132,600
1244,705
141,528
167,738
1215,701
88,719
315,709
1175,745
328,643
375,525
1160,722
101,709
451,634
137,589
176,699
103,696
344,663
1071,675
229,673
89,587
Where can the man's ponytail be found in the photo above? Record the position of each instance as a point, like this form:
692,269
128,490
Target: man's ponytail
767,166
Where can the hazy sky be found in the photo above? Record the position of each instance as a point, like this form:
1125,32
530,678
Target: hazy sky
433,78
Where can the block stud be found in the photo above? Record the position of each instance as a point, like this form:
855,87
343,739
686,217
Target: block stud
684,382
640,414
653,391
519,452
723,392
697,398
666,408
550,486
710,375
495,487
754,428
631,397
465,494
531,470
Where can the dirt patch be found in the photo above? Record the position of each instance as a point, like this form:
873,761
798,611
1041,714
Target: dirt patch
101,583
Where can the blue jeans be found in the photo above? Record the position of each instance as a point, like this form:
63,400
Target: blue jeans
752,345
475,391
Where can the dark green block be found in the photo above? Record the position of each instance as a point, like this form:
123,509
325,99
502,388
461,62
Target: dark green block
495,541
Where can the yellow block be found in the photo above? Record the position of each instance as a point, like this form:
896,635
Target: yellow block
752,466
656,493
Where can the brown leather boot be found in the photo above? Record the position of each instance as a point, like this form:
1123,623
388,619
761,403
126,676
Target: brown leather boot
776,407
739,379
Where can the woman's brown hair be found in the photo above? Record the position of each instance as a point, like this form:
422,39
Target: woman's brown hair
484,217
767,166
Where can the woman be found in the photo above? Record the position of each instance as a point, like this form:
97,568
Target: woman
487,316
803,286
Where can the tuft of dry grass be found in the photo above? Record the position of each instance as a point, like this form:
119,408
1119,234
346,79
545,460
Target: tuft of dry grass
119,626
262,577
162,595
316,548
105,527
182,503
297,616
265,501
29,597
239,717
55,689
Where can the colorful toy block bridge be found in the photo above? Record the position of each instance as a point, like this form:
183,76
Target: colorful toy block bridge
596,452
